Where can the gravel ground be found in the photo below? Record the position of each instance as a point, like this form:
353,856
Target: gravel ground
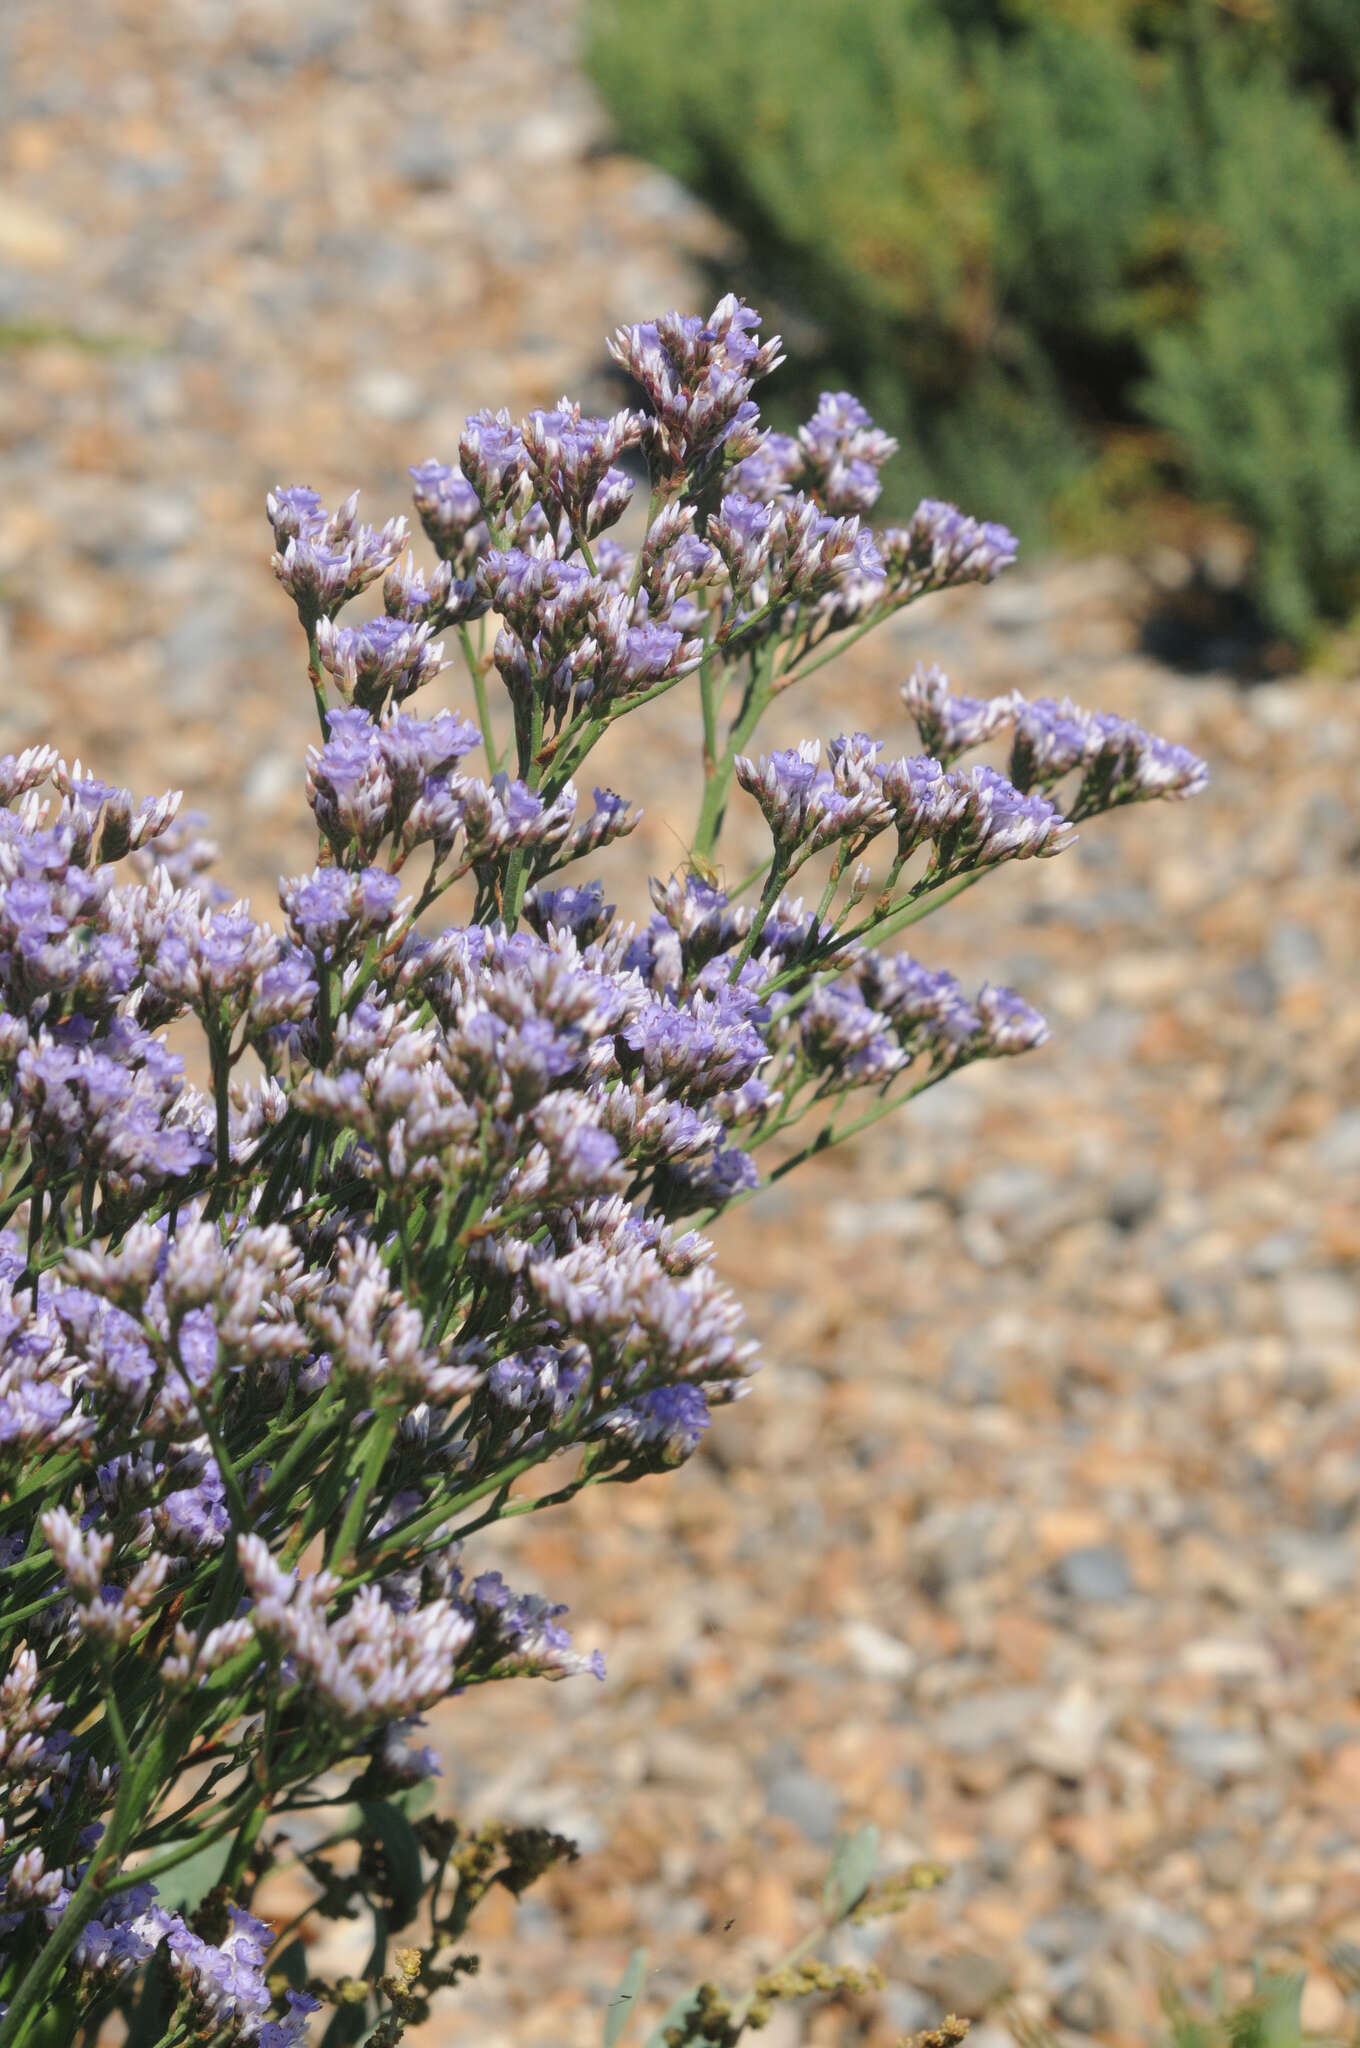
1036,1541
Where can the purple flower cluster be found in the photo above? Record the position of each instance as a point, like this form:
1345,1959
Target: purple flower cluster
322,558
273,1351
974,818
949,725
844,451
383,661
573,639
790,552
224,1994
941,546
1119,762
396,784
697,377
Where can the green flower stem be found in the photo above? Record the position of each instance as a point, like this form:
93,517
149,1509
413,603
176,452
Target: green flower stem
749,881
576,741
318,686
219,1060
17,1195
578,535
32,1267
380,1434
759,691
769,897
838,867
477,673
46,1486
234,1817
921,906
791,675
712,681
302,1448
247,1835
326,1495
830,1135
883,926
167,1827
514,888
503,1509
655,502
113,1714
404,1534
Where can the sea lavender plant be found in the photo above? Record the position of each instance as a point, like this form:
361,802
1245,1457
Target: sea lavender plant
272,1352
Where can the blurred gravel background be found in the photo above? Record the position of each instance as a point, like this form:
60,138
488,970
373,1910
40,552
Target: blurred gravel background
1036,1542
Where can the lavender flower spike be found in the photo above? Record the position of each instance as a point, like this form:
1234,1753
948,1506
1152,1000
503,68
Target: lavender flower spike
843,451
941,547
950,725
807,806
384,660
322,560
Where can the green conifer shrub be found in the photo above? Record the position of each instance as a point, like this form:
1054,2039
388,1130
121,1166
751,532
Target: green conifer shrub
1036,233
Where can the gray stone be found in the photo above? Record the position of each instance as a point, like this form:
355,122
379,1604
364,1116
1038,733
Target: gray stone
1313,1568
128,530
1198,1299
1223,1858
1274,1255
1068,1740
535,1920
269,778
878,1654
967,1982
909,2010
197,655
1219,1754
388,394
1075,1931
1083,2006
1180,1932
1098,1572
809,1802
953,1544
1009,1190
1133,1197
1294,954
1317,1305
1016,606
973,1377
1253,987
986,1719
1338,1147
426,158
1110,1033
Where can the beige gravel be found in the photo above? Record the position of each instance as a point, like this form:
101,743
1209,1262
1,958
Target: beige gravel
1035,1542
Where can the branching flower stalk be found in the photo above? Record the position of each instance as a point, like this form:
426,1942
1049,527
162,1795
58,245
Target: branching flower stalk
271,1356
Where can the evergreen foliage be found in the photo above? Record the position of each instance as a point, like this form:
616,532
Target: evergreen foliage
1029,229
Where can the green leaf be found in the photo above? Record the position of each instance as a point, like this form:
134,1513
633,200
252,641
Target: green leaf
291,1963
395,1835
851,1872
348,2026
417,1800
1278,2016
623,2004
180,1890
56,2028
